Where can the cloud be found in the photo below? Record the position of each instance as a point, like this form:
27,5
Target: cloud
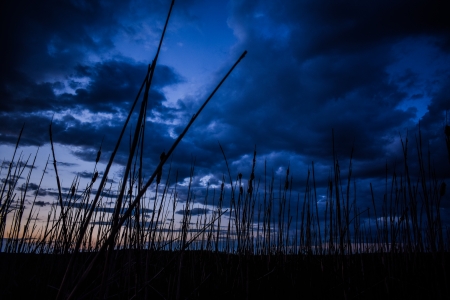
109,210
107,87
12,179
42,203
70,65
40,192
29,187
71,128
194,211
66,164
85,174
329,73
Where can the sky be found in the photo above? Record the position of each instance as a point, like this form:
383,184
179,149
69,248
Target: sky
364,74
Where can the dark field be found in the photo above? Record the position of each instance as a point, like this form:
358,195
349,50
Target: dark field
206,274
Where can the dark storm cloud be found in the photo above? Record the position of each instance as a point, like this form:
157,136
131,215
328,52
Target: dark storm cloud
439,104
13,179
86,174
40,192
30,186
54,36
325,27
111,90
66,164
194,211
21,164
112,86
42,203
46,67
317,66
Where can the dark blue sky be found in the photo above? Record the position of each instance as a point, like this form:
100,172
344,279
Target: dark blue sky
370,71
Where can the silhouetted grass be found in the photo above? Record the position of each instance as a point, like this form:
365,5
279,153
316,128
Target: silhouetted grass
268,242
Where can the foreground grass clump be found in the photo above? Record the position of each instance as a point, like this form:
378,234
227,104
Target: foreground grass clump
262,243
258,241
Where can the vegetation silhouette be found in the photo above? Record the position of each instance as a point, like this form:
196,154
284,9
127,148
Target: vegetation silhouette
266,243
